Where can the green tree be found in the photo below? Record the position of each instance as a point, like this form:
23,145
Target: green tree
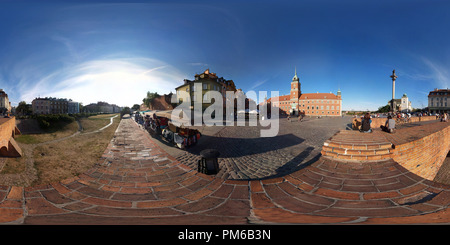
384,109
150,96
81,106
23,108
135,107
125,110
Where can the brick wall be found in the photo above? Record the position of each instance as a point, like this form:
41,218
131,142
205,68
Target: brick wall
160,103
7,126
8,129
321,107
424,156
377,122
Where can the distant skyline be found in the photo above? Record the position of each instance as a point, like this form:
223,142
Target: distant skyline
116,52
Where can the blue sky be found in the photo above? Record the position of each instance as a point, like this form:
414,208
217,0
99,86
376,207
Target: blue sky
115,51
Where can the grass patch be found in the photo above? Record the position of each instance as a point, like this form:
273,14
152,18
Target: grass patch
27,139
93,123
13,165
59,130
56,161
71,157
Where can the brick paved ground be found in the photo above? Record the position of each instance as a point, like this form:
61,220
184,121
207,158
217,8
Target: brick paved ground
136,182
245,155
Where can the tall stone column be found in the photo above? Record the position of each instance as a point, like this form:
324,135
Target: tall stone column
393,76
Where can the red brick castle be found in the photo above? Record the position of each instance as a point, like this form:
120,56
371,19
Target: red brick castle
311,104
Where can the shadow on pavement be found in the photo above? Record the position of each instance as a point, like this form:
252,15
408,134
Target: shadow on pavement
297,163
237,147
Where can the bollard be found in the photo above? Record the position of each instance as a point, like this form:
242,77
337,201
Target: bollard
209,163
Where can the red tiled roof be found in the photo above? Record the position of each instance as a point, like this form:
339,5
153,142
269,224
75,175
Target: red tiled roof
310,96
280,98
314,96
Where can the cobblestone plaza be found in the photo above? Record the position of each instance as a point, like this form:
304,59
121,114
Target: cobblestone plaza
138,182
246,155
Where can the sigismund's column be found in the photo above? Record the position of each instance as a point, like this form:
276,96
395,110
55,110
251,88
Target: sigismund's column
393,76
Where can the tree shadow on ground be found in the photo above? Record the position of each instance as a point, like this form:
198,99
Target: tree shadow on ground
297,163
238,147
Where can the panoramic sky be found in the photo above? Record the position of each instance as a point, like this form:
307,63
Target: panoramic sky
115,51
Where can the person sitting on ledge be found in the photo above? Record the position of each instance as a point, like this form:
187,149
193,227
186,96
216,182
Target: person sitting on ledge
389,126
365,124
444,117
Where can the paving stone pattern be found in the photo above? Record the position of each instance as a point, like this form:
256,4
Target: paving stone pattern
244,155
136,182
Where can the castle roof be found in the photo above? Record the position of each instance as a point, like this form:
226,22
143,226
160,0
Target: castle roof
315,96
280,98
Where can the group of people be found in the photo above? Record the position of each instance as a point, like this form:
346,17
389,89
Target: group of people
299,118
389,126
179,136
151,123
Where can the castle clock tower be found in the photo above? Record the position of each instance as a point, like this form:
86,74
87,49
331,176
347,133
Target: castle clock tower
295,93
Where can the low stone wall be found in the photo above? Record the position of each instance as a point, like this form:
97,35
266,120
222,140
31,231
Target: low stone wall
377,122
424,156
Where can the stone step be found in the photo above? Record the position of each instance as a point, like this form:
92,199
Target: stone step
358,157
358,145
345,151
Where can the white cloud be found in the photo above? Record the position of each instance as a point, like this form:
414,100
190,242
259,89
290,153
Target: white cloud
258,83
118,81
197,64
439,73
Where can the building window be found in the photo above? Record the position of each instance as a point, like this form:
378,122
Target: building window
205,86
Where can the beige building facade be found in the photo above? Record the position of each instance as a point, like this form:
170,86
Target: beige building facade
439,101
49,106
4,101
